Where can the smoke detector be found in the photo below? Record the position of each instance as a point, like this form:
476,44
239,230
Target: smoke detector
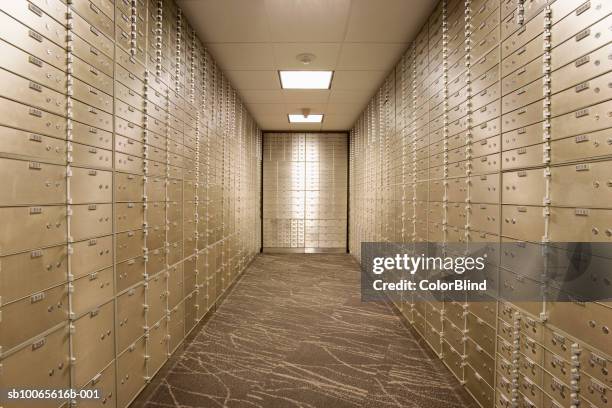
306,58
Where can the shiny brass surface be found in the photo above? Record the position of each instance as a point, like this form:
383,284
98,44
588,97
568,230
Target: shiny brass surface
305,179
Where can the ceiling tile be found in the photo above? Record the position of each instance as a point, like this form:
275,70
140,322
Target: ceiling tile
338,122
243,56
307,96
326,55
349,109
254,80
314,107
261,96
272,121
267,108
273,127
361,96
308,20
356,56
355,80
398,21
249,20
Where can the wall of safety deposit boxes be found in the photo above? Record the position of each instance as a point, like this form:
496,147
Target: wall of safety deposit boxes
131,192
305,192
495,127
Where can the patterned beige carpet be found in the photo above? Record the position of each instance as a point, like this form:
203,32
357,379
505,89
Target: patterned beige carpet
294,333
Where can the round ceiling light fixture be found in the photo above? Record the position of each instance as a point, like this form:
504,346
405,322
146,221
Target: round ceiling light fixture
306,58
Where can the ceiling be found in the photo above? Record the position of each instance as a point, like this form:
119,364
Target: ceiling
360,40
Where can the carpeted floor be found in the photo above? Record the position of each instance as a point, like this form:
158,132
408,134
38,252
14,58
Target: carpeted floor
294,333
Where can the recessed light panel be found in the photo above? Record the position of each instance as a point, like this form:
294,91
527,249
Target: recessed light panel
299,118
306,79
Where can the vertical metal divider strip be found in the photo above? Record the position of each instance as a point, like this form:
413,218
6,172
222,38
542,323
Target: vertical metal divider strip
374,161
133,36
227,179
114,235
546,132
220,134
399,179
236,124
444,223
427,90
392,164
133,30
220,130
349,149
177,90
196,185
414,144
217,175
499,211
516,321
382,145
204,192
468,156
407,96
146,226
70,248
166,248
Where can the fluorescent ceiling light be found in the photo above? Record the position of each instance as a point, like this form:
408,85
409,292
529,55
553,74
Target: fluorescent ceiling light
305,79
299,118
